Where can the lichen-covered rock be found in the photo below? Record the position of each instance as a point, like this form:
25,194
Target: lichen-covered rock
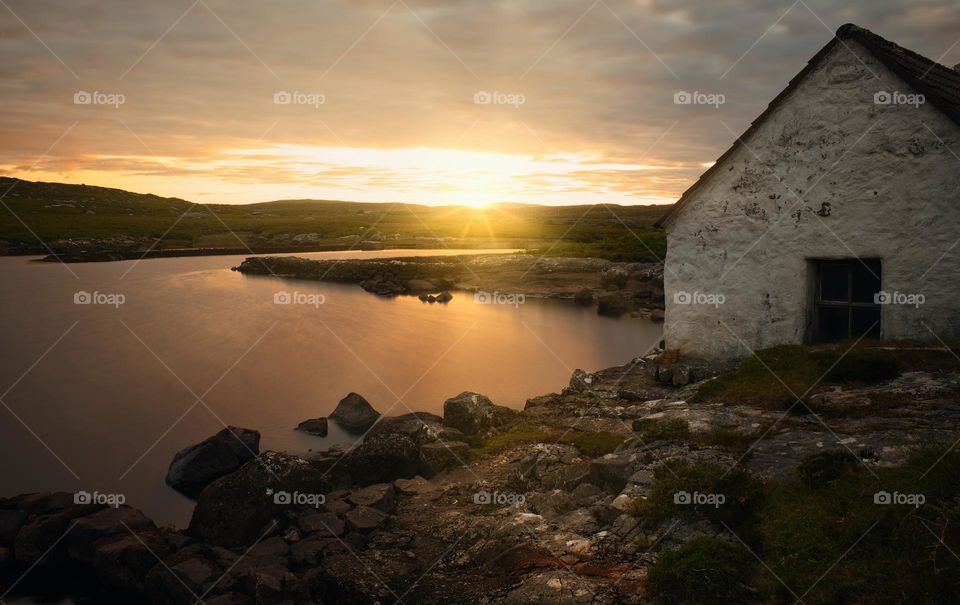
474,414
240,508
442,455
381,458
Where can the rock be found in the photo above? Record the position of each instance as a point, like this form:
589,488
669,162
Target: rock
474,414
612,304
41,536
364,519
180,583
107,522
355,413
412,487
439,456
195,467
612,471
584,297
614,277
420,285
314,426
242,507
10,523
421,427
379,496
444,297
123,562
657,315
325,524
381,458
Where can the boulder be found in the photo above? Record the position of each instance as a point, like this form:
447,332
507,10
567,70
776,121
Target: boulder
439,456
413,487
123,562
584,297
421,427
381,458
444,297
314,426
195,467
474,414
355,413
244,506
379,496
614,277
612,304
10,523
323,523
41,536
88,530
364,519
420,285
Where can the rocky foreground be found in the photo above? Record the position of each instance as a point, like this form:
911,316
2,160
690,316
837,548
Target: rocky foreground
616,288
482,505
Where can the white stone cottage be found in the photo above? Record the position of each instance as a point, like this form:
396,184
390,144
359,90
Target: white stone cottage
835,215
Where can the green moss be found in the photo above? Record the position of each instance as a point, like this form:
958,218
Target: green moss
706,570
593,444
727,496
831,543
730,440
655,429
522,433
824,468
775,377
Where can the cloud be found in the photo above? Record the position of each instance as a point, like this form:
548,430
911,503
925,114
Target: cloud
597,79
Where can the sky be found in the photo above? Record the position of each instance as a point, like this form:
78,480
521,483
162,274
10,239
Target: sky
422,101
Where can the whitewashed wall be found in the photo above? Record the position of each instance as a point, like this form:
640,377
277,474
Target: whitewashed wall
890,176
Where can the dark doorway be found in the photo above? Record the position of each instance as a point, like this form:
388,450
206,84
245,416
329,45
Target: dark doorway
845,301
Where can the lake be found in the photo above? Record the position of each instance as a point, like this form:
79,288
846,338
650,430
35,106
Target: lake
100,396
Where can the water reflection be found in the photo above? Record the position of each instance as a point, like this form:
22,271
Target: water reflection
195,345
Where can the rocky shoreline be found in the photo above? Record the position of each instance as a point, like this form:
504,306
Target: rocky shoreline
483,505
616,288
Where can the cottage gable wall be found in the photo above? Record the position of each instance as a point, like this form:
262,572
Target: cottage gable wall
828,174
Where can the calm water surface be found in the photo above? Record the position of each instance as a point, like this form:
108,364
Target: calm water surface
99,397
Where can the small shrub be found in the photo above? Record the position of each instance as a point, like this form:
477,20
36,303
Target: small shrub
706,570
653,430
729,439
675,488
820,469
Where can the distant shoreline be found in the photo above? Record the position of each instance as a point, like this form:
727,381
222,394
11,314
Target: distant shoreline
107,255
